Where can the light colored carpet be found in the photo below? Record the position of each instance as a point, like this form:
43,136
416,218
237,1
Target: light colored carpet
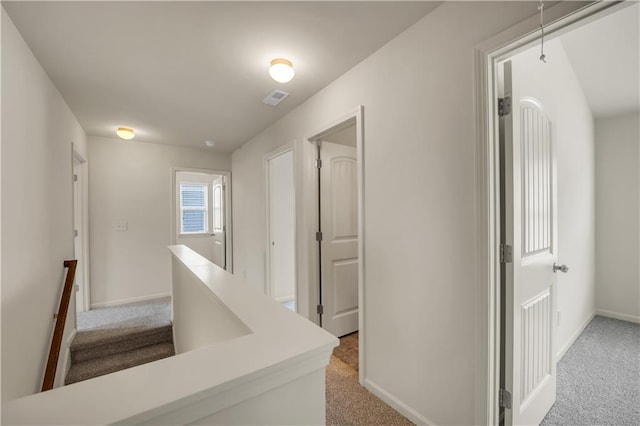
599,377
152,312
118,361
347,350
348,403
107,325
114,338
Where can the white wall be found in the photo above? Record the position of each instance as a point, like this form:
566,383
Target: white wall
199,317
419,205
130,182
574,140
38,130
618,214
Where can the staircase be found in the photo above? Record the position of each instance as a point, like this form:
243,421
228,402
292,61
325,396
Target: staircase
112,339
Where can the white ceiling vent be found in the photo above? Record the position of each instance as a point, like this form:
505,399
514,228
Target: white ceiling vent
275,97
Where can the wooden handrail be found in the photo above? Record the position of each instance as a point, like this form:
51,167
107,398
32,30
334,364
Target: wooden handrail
61,318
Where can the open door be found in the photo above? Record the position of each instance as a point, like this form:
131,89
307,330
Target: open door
339,244
529,249
219,229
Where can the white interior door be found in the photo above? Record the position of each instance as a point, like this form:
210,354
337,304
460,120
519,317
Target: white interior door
281,228
531,229
219,229
339,246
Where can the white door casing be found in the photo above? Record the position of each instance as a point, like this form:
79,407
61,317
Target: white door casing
339,246
488,56
81,290
531,229
310,248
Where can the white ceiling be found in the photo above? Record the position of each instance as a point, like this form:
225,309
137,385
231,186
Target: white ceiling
182,73
605,55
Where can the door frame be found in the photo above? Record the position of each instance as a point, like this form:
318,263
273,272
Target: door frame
355,116
560,19
227,208
289,147
83,187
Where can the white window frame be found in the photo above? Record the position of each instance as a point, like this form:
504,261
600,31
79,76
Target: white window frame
206,208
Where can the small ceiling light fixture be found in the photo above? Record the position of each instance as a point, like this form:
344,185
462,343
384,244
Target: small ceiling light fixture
210,144
125,133
281,70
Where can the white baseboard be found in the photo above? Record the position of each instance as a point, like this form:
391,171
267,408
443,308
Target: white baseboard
72,336
563,350
396,404
617,315
131,300
65,364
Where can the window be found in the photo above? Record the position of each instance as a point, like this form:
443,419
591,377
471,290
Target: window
193,208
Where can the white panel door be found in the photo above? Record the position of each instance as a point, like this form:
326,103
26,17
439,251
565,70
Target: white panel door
218,231
339,247
282,223
531,229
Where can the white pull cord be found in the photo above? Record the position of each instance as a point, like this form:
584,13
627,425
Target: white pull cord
543,58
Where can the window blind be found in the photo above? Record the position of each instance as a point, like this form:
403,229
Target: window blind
193,208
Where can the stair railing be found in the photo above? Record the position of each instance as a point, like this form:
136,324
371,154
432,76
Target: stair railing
61,318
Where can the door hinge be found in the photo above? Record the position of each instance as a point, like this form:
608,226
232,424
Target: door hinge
505,398
75,232
506,253
319,236
504,106
320,310
319,163
75,178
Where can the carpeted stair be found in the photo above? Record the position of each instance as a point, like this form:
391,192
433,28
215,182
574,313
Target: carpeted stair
113,339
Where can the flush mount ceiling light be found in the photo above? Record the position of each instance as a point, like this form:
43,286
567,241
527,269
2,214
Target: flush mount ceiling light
125,133
210,144
281,70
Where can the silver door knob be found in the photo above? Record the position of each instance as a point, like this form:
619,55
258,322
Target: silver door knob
561,268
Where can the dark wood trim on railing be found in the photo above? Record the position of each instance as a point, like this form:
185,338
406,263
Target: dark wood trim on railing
61,318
